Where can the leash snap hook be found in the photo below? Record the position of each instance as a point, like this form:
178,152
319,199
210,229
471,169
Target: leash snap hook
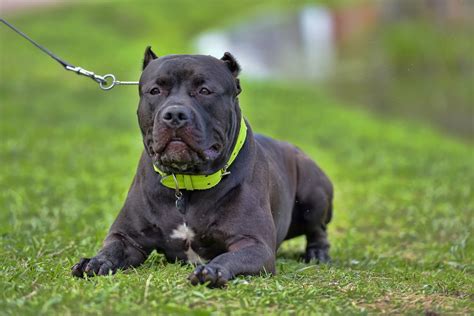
84,72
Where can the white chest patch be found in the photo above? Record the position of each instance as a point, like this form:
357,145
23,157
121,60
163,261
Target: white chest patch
183,232
186,233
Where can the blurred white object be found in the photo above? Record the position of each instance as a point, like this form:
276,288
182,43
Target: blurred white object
16,5
293,46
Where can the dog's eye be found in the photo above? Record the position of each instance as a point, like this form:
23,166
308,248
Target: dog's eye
155,91
204,91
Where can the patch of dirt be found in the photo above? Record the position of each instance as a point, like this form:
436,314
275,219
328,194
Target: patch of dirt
429,304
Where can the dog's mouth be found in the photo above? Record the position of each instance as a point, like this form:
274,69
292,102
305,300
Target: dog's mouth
181,156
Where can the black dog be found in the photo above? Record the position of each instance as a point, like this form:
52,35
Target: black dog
207,190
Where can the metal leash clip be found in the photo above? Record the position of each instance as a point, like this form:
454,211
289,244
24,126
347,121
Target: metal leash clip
87,73
106,82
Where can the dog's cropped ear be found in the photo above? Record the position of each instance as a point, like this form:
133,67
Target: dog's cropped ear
149,56
231,63
234,68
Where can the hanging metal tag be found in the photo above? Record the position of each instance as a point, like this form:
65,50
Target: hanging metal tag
180,203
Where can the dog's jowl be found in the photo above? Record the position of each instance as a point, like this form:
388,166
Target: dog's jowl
207,189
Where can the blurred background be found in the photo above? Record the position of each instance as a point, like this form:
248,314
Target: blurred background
412,59
379,93
405,58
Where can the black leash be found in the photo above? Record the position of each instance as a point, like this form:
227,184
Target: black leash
106,82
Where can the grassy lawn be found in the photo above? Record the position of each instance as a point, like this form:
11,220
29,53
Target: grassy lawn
404,206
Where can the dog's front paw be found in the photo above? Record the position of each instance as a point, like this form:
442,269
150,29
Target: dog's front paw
93,266
212,275
317,255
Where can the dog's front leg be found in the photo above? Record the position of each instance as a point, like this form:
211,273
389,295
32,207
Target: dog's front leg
117,253
246,256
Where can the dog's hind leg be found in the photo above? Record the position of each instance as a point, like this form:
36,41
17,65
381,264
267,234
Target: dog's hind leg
317,247
314,209
315,212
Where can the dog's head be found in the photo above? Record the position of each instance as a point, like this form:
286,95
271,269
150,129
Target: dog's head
188,112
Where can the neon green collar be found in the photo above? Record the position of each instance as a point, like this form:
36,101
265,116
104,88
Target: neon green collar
203,182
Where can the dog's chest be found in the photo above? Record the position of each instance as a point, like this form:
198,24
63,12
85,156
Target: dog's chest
186,236
191,241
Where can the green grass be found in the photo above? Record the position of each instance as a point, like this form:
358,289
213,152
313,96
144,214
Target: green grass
415,67
402,232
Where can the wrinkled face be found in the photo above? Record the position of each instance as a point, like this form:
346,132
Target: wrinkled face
188,111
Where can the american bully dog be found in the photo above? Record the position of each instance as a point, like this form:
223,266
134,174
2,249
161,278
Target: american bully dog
207,189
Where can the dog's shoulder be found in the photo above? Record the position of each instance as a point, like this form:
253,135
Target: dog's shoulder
274,146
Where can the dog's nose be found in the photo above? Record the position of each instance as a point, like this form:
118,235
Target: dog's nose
176,116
